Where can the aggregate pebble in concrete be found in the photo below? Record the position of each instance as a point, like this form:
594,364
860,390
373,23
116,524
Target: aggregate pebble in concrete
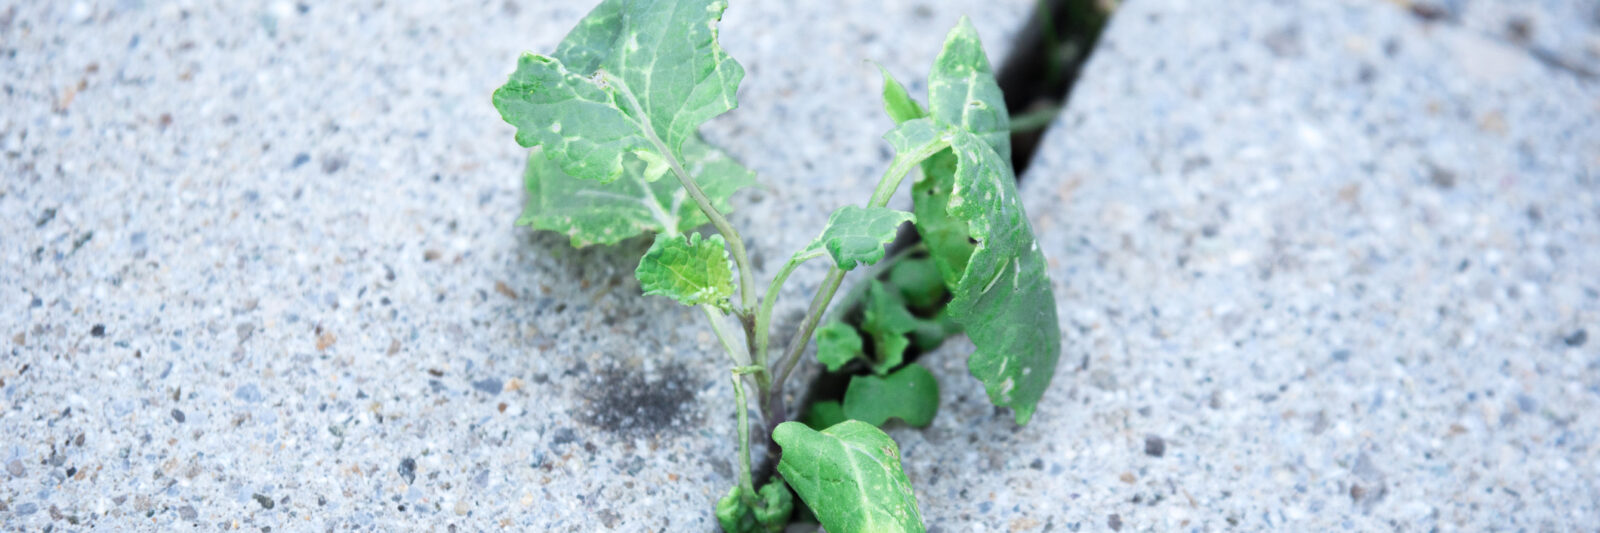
1339,260
260,269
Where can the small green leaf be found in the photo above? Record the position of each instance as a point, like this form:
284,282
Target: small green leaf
850,476
857,235
774,503
824,414
837,345
590,212
688,269
918,281
896,102
732,514
632,77
888,321
910,394
777,503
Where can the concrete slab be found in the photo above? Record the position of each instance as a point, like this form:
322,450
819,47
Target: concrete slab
260,268
1321,266
1565,34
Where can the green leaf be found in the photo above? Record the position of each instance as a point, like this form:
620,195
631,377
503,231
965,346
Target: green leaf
931,333
888,321
1003,299
837,345
962,90
732,514
850,476
857,235
688,269
973,224
918,281
896,102
633,77
947,237
590,212
910,394
774,503
824,414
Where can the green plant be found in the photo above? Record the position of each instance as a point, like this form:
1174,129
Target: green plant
615,111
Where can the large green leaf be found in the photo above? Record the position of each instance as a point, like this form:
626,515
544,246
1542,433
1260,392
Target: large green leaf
972,222
850,476
1003,299
857,235
591,212
962,90
634,77
910,394
688,269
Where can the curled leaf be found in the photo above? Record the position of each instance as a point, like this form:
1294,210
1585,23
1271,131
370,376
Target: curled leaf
688,269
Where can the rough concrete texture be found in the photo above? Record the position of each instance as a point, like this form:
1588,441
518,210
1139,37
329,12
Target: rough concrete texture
1320,266
259,266
1563,34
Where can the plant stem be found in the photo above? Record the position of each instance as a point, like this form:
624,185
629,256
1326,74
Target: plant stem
819,304
1036,119
719,326
746,485
747,283
898,168
770,299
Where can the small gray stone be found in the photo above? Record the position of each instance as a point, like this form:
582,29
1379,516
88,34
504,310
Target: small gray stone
1527,403
249,393
27,509
1577,338
187,513
408,469
264,500
490,386
1154,446
178,415
15,468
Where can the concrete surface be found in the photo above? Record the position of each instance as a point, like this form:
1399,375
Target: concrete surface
1321,266
260,271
